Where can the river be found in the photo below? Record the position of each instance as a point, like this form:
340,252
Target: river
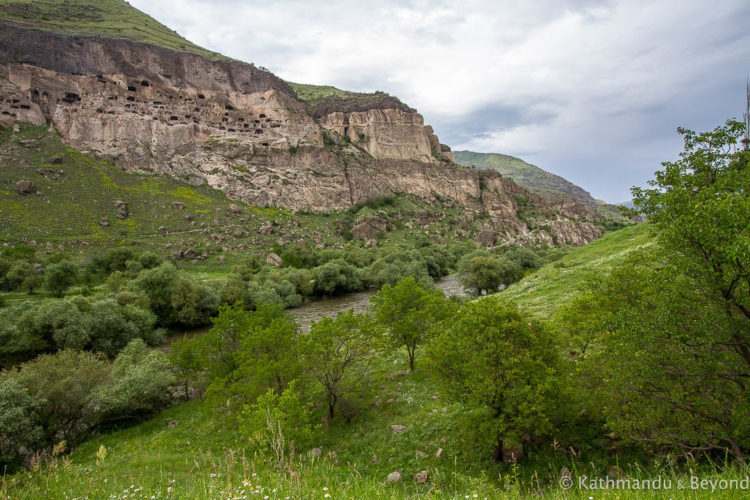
313,310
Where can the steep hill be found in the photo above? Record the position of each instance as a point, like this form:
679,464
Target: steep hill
116,84
525,174
548,288
103,18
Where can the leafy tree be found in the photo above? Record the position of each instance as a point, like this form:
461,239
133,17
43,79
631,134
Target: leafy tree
19,427
336,277
502,365
664,362
336,353
66,386
59,277
141,378
22,275
700,209
113,326
174,299
220,345
410,313
267,354
149,260
187,361
482,272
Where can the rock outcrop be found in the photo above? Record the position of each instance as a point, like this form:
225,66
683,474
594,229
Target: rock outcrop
243,130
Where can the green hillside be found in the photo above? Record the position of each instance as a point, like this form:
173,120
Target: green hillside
525,174
104,18
545,290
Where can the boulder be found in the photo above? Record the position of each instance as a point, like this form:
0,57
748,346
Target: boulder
104,221
440,453
394,477
122,209
364,232
235,209
273,259
265,230
421,477
25,187
173,423
398,429
189,253
178,205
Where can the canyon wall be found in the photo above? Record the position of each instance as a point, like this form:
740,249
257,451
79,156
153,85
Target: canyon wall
244,131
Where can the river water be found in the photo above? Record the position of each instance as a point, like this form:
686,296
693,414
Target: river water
316,309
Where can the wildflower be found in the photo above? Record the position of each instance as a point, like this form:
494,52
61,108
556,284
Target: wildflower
327,495
213,475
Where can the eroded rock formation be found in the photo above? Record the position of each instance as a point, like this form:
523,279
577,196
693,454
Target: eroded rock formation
245,131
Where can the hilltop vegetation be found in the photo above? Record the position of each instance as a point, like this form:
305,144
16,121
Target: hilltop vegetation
525,174
103,18
324,99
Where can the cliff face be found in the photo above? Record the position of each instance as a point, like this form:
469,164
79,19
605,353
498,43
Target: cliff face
245,131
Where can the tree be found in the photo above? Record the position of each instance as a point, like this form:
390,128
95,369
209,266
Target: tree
175,299
141,379
267,354
336,277
186,358
701,210
670,326
336,353
486,273
410,312
502,365
66,386
59,277
19,427
22,275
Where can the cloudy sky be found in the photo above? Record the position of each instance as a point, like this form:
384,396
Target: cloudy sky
592,90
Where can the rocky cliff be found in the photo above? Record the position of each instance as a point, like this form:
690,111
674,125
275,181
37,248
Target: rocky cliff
244,131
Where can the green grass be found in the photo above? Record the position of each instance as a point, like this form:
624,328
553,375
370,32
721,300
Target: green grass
205,457
550,287
104,18
324,99
308,92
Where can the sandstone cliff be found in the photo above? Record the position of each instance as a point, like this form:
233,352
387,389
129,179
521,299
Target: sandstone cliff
245,131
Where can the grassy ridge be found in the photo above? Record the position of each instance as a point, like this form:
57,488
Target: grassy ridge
525,174
104,18
545,290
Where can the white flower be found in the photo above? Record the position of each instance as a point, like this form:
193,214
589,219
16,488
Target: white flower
327,495
213,475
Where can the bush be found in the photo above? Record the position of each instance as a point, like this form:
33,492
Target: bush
22,276
479,360
335,278
280,424
59,277
176,300
19,423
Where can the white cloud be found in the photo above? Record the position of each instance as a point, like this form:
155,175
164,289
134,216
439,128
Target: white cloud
589,89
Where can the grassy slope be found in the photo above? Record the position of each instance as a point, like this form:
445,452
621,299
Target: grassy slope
523,173
545,290
105,18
